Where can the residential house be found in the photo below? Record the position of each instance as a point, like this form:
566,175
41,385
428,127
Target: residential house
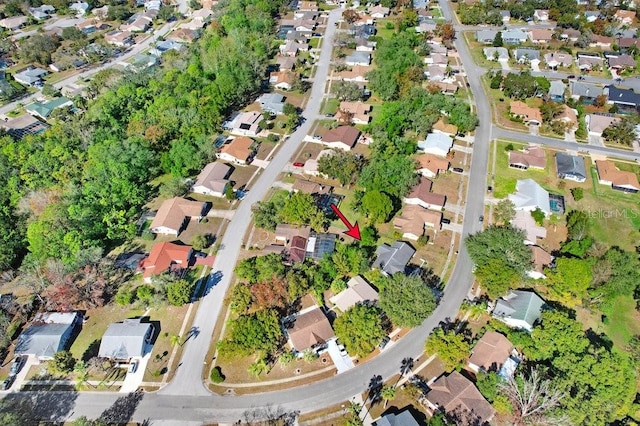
364,19
174,214
626,43
291,48
403,418
569,34
609,174
42,12
91,25
530,196
491,353
364,31
516,36
212,180
48,333
165,257
603,42
526,55
435,73
541,259
531,156
500,54
13,23
282,80
272,103
126,340
285,63
308,6
625,17
320,245
342,137
297,250
422,196
597,123
621,62
391,259
305,15
311,165
532,231
568,116
445,88
558,59
541,35
486,36
437,144
183,35
592,15
285,233
246,124
31,76
310,330
439,59
364,45
205,14
358,58
624,99
358,112
529,115
585,91
165,46
541,15
44,109
570,167
101,12
358,291
378,12
356,74
426,26
455,394
590,62
298,37
412,221
138,25
119,38
23,125
556,91
431,165
519,309
238,151
310,187
506,16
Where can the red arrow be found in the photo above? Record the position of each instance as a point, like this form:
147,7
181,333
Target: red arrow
353,230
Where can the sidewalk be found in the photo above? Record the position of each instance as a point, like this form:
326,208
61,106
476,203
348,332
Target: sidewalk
278,381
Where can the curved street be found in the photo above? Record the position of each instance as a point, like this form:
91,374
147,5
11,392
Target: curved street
186,400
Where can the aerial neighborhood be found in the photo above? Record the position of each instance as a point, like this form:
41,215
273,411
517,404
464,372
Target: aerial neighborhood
337,212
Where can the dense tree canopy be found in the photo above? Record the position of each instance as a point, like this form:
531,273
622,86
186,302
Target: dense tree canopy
360,329
407,300
500,242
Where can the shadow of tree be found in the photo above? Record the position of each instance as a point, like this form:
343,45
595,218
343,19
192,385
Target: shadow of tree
33,407
122,409
92,350
268,415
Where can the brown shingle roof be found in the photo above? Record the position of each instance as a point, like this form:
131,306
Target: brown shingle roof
413,219
455,392
608,171
298,249
491,351
309,187
530,157
173,212
239,148
345,134
213,176
310,329
441,126
540,258
433,163
529,113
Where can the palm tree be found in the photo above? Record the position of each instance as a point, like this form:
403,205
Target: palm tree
387,393
175,340
475,310
258,367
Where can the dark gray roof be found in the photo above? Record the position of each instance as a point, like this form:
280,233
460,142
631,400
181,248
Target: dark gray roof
520,305
404,418
623,96
571,165
124,340
530,54
394,258
43,340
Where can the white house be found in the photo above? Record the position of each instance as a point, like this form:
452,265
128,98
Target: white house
437,144
212,180
530,196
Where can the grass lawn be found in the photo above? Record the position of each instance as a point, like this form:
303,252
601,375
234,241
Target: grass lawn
382,31
314,42
97,321
505,177
477,51
330,106
623,322
500,104
170,318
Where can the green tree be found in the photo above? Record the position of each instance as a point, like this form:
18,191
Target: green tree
622,132
407,300
200,242
577,193
496,277
62,363
179,292
286,358
38,48
258,367
377,205
487,384
301,209
538,215
570,279
503,243
504,211
266,214
73,33
240,299
258,332
497,40
216,375
387,393
452,348
309,355
360,329
519,86
348,91
340,165
349,260
394,174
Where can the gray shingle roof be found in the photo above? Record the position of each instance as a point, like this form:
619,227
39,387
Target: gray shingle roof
404,418
43,340
570,165
124,340
394,258
520,305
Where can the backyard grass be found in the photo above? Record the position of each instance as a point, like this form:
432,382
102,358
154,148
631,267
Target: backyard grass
623,322
170,318
97,321
382,32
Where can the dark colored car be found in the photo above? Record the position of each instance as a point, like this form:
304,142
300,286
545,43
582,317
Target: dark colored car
446,221
458,169
571,76
489,188
384,342
6,384
481,219
16,366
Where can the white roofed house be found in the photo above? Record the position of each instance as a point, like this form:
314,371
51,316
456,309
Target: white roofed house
126,340
437,144
358,291
530,196
212,180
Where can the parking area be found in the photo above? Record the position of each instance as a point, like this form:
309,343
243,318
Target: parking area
339,356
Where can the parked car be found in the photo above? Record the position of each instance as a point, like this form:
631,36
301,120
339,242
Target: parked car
16,366
446,221
458,169
133,366
7,383
385,340
481,219
570,77
298,164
